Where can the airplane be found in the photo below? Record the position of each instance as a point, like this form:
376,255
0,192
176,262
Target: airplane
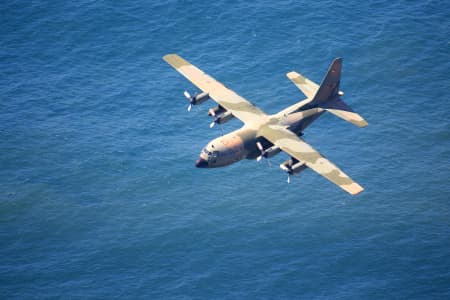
263,135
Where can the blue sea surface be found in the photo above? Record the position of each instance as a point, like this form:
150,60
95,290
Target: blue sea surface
99,196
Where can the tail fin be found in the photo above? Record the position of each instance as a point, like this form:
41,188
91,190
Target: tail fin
329,88
328,96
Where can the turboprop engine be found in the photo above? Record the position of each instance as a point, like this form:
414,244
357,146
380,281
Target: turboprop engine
292,167
267,153
220,115
196,99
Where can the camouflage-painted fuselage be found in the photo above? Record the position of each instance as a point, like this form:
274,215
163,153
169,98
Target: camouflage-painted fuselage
266,135
242,143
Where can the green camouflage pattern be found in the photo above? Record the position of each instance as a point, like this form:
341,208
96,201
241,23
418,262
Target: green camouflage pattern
349,116
295,147
308,87
259,126
237,105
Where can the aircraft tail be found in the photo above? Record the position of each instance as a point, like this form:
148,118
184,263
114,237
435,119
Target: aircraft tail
329,88
328,96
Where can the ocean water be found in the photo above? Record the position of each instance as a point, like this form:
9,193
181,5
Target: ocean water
99,196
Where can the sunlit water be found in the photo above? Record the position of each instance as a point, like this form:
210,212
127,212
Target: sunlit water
99,196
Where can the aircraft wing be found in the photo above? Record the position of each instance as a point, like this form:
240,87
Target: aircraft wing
308,87
232,102
290,143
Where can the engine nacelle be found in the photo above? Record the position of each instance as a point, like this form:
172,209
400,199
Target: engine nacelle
200,98
272,151
224,117
293,168
215,111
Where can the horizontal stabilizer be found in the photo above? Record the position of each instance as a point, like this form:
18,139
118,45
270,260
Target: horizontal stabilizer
308,87
340,109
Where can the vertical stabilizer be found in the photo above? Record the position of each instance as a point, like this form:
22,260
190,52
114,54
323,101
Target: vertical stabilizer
328,96
329,87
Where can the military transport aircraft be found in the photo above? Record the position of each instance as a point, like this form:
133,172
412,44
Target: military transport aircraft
264,136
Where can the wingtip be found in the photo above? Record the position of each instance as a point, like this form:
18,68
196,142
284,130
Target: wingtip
364,124
168,56
353,188
361,123
358,192
292,74
175,60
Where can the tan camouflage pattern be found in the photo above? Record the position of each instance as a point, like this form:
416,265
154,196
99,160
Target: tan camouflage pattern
349,116
293,108
242,142
290,143
231,147
294,118
308,87
237,105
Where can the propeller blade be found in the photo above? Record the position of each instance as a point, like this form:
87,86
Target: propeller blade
187,95
212,124
189,107
289,179
260,147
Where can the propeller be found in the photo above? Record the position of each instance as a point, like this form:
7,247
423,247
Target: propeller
290,171
190,98
261,149
212,113
263,152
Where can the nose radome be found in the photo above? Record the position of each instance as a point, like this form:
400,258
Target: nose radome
201,163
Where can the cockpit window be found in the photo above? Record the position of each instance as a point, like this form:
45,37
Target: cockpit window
215,154
207,152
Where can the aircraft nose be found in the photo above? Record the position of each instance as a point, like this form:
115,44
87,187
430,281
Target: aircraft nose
201,163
